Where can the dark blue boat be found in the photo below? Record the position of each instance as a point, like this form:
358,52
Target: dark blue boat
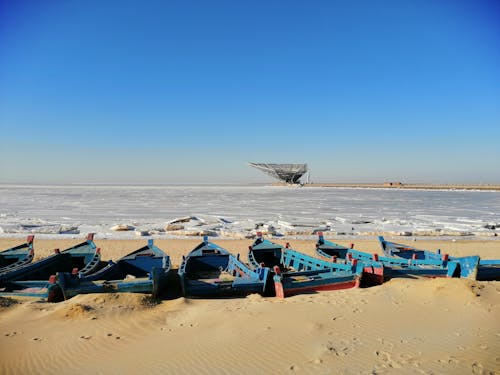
17,256
397,267
28,279
142,271
211,271
488,269
296,273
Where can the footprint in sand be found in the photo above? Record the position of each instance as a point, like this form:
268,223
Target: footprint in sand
477,368
339,352
387,360
450,360
407,358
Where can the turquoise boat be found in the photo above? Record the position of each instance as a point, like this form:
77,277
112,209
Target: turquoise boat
488,269
397,267
298,273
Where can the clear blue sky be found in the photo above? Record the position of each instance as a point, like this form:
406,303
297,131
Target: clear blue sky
183,91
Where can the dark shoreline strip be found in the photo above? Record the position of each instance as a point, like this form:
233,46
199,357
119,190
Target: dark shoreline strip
402,186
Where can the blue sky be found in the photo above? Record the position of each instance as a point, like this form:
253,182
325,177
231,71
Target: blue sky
167,91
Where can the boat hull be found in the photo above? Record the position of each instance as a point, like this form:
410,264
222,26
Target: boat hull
143,271
296,272
471,267
285,287
488,270
151,286
85,257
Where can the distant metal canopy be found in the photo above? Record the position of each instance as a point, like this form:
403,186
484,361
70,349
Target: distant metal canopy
289,173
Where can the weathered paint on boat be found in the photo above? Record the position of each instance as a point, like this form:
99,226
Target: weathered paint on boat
296,273
208,258
398,267
488,269
373,271
31,279
142,271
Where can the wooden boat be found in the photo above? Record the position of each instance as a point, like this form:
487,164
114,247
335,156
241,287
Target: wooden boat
211,271
29,279
397,267
17,256
373,271
142,271
296,273
488,269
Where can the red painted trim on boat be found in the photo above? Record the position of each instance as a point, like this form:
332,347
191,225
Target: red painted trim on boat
339,286
278,288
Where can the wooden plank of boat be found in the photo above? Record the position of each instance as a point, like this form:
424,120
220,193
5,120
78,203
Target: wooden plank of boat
488,269
142,271
211,271
17,256
297,273
399,267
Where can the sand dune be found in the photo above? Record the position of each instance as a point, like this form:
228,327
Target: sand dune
404,326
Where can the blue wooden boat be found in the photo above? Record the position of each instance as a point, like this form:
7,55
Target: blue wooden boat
397,267
296,273
29,279
17,256
211,271
142,271
373,271
488,269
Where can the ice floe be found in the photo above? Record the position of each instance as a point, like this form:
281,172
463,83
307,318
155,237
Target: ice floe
241,212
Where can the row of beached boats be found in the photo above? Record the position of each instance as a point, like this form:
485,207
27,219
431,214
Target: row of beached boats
212,271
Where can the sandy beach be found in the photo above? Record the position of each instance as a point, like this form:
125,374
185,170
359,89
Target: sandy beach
404,326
